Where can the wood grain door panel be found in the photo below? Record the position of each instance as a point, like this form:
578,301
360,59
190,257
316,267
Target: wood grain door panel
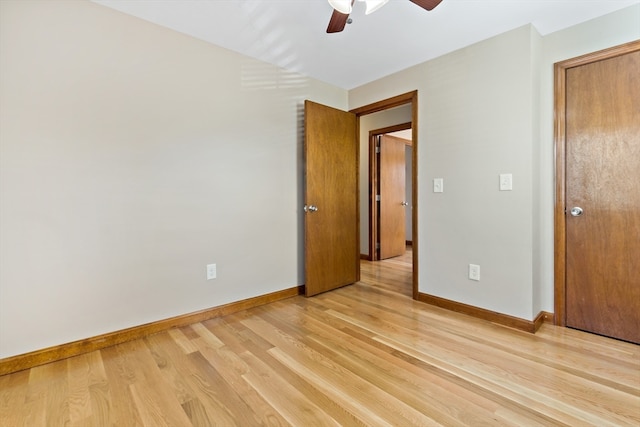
603,178
392,196
332,253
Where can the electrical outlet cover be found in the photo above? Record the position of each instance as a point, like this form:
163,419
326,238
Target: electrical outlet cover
474,272
211,271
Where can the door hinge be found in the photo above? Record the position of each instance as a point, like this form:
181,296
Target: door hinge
377,197
377,150
377,245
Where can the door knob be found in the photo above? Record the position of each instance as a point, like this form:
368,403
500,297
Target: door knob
405,203
576,211
310,208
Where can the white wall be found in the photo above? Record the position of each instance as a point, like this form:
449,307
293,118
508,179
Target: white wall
369,122
132,156
484,110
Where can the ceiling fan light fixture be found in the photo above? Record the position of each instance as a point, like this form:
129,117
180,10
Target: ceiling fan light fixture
373,5
342,6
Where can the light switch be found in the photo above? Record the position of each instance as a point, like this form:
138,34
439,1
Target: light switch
438,185
506,182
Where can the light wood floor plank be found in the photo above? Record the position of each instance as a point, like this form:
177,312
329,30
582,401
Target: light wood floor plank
333,379
153,396
231,367
399,378
56,405
223,403
260,348
296,408
578,391
79,374
120,376
363,355
13,394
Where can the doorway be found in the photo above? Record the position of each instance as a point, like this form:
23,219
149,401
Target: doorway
390,191
597,213
328,221
408,99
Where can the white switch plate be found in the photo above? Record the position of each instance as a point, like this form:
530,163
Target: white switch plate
474,272
438,185
211,271
506,182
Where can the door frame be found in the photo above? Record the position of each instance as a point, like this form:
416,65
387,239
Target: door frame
386,104
560,107
373,185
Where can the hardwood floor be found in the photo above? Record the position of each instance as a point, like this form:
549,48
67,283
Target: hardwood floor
363,355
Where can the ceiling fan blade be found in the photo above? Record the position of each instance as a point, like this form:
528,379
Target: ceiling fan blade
427,4
337,22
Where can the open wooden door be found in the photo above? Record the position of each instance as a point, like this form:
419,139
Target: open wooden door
602,210
332,252
393,205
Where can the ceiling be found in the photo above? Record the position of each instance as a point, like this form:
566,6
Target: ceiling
291,33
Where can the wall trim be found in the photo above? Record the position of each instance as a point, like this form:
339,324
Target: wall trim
52,354
530,326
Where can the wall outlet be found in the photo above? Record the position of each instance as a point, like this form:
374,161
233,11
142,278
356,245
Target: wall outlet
211,271
474,272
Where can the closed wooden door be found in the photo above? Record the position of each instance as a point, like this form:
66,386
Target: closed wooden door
603,197
393,206
332,252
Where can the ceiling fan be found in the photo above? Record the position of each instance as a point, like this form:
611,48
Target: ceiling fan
342,9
